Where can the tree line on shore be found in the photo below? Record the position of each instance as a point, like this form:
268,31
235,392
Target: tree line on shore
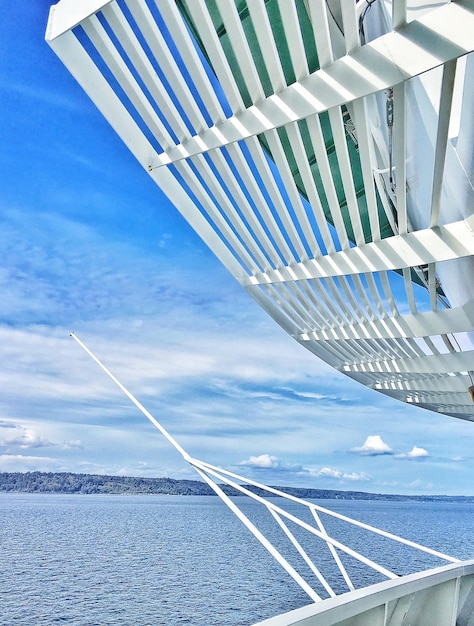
72,483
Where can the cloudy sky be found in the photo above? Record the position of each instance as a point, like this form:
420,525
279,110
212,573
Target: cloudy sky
88,243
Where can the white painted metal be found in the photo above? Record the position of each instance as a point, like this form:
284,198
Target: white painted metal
332,287
216,478
325,195
440,597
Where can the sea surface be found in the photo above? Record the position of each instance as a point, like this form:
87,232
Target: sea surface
170,560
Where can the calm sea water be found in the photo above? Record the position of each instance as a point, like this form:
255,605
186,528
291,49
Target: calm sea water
160,561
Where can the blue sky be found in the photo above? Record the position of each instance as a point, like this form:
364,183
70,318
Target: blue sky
88,243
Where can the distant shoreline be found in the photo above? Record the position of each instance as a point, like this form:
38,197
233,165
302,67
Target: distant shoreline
72,483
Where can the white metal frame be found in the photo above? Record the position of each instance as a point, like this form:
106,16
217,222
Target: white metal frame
217,478
200,144
443,596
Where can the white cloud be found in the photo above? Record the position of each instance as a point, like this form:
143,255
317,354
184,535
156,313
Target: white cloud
13,435
328,472
421,485
265,461
374,445
270,462
357,477
22,463
415,453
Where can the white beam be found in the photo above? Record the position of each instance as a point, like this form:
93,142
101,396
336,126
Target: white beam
67,14
428,323
451,241
451,362
387,61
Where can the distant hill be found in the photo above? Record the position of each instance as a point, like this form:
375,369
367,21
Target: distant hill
66,482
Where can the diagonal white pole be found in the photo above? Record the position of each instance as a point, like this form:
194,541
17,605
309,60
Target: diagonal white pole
196,465
140,406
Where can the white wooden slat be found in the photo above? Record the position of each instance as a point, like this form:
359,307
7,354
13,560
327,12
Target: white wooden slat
243,55
67,14
228,235
430,346
187,50
399,13
161,52
400,155
340,144
350,26
360,290
102,42
289,18
261,162
409,290
432,283
414,343
225,205
236,192
387,290
324,167
299,152
320,23
203,21
279,158
367,161
387,198
376,296
263,208
442,138
448,343
267,44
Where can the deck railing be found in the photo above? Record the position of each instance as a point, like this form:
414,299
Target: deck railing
218,479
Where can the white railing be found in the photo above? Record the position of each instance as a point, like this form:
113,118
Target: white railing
217,478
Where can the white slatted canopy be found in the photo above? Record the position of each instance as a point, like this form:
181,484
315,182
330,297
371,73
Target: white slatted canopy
323,151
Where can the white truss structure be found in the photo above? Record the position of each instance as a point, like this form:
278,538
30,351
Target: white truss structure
379,605
298,141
